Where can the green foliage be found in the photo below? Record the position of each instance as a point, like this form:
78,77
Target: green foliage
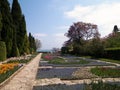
15,51
2,51
0,24
106,72
113,53
112,41
19,61
64,50
32,43
95,47
7,25
102,86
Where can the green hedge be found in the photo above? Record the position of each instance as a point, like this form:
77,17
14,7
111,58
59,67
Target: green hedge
2,51
112,53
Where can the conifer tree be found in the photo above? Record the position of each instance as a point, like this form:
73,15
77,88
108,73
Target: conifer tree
24,38
32,43
0,24
20,28
7,25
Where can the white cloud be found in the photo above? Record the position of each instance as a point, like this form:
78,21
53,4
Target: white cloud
59,35
63,27
104,15
40,35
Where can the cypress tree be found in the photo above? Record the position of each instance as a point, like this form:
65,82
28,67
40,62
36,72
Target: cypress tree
32,43
16,16
7,25
20,28
0,24
23,33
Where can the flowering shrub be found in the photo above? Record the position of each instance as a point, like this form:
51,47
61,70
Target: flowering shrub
48,57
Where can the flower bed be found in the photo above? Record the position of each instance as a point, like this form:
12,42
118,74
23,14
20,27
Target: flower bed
6,70
106,72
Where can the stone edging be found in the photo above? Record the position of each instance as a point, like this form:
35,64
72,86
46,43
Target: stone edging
15,73
8,79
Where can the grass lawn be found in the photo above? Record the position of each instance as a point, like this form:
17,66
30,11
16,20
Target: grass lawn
106,72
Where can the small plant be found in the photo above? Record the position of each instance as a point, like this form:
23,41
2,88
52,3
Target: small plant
47,57
106,72
102,86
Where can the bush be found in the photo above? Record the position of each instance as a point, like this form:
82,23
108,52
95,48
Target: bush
112,53
2,51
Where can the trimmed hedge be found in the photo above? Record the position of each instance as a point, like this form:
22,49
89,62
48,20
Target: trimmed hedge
2,51
112,53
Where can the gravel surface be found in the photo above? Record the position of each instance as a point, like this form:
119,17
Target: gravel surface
62,73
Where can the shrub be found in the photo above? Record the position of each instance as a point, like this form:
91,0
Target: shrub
2,51
112,53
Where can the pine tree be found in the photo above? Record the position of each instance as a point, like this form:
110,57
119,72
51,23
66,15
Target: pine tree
7,25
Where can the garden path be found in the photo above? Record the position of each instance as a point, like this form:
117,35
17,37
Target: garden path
25,78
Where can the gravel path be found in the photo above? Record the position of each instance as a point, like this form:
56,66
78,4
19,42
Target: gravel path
25,78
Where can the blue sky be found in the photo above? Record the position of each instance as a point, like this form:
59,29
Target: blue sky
49,20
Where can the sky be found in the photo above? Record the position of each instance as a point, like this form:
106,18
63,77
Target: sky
49,20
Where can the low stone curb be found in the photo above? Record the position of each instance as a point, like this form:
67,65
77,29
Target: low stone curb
8,79
14,74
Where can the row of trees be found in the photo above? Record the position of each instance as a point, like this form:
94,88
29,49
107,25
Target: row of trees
84,39
13,30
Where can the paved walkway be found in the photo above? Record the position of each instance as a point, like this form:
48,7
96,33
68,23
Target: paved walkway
25,78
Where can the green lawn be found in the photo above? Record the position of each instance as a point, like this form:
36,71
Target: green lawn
102,86
106,72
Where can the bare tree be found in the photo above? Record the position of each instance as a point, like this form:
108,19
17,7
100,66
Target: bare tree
38,44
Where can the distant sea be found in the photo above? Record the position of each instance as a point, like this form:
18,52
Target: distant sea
44,50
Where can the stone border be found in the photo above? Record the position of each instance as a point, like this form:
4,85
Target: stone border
14,74
8,79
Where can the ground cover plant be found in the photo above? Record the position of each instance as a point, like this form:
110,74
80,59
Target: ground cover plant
106,72
19,61
102,86
6,70
60,60
25,60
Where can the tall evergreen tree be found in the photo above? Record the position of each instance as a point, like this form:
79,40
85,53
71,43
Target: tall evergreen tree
7,25
32,43
115,29
23,33
0,24
20,27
